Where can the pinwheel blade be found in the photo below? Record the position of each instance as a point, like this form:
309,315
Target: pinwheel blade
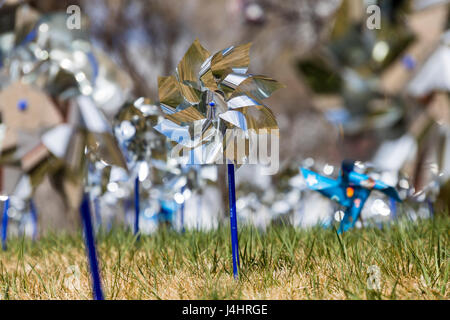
258,86
189,66
232,59
368,183
326,186
434,76
169,93
255,118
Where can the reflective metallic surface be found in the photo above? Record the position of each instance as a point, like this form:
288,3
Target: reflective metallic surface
209,95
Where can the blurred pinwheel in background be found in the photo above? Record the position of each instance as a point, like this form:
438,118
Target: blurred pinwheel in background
26,112
343,74
146,151
429,90
46,52
420,154
134,130
351,190
85,133
61,63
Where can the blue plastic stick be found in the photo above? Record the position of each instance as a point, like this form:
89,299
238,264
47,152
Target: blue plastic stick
90,246
94,64
393,205
182,211
5,219
430,207
34,219
233,220
136,205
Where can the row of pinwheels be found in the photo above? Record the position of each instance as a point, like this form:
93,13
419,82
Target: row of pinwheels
57,90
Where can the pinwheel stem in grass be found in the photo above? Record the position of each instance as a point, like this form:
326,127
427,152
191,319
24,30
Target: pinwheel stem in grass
90,247
136,206
5,219
233,220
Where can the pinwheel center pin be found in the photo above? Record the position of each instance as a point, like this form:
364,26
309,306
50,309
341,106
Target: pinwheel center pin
22,105
409,62
350,192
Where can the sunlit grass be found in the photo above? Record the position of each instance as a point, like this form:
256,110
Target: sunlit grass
282,263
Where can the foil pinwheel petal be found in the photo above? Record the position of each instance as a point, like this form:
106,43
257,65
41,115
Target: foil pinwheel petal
86,130
435,74
112,84
255,117
24,107
231,59
176,132
26,113
210,94
189,67
11,176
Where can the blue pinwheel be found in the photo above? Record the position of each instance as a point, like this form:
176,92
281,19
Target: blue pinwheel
350,190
